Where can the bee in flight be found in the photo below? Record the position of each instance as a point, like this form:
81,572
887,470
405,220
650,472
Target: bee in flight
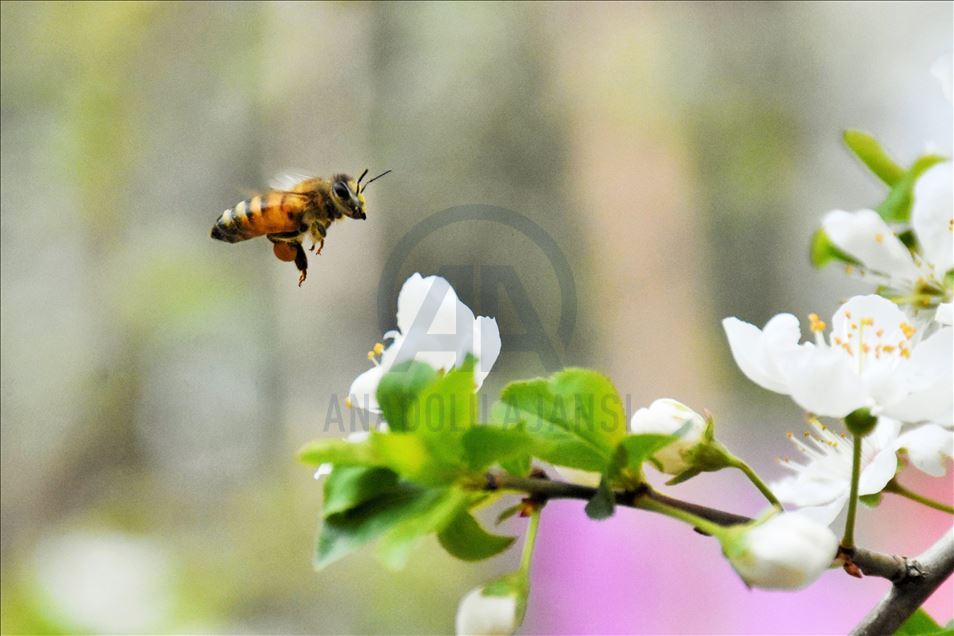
296,207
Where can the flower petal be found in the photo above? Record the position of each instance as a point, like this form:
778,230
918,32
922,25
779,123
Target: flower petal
931,216
755,350
823,381
927,378
866,236
364,389
486,346
942,72
945,314
929,447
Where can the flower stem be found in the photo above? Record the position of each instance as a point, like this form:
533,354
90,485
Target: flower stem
898,489
848,540
758,483
704,525
529,542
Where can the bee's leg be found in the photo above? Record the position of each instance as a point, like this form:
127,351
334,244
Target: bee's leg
301,262
318,234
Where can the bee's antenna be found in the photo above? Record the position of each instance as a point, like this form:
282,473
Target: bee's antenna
361,177
376,178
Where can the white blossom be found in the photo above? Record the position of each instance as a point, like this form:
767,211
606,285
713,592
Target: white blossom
480,614
873,358
786,551
434,327
913,278
820,487
666,416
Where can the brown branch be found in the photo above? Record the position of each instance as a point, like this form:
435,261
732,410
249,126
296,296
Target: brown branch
896,569
922,576
549,489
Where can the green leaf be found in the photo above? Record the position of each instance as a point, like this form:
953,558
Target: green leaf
435,511
447,406
870,152
603,503
639,448
507,513
896,207
349,486
920,623
575,418
337,451
823,251
466,539
346,531
399,388
489,445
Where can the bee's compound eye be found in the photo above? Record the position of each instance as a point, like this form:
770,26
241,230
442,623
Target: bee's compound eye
341,191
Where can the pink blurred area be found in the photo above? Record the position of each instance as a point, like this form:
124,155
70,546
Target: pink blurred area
639,573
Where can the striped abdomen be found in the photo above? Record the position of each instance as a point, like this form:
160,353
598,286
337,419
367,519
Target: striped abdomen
271,213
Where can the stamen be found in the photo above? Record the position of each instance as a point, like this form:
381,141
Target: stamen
817,324
348,402
879,238
908,330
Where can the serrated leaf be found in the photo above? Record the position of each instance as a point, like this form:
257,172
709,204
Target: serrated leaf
489,445
823,251
466,539
603,503
920,624
575,418
870,152
399,388
350,486
896,208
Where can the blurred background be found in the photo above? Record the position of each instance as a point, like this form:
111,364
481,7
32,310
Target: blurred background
156,384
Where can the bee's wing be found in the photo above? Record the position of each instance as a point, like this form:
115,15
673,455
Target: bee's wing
286,181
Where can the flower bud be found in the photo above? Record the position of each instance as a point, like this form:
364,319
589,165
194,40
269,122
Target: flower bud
666,416
786,551
480,614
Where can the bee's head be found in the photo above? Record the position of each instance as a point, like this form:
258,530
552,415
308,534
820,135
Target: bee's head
347,197
348,194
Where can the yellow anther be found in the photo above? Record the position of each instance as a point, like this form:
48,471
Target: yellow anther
908,330
378,348
879,332
865,348
348,402
887,348
905,352
879,238
867,322
847,314
790,435
817,324
370,355
853,326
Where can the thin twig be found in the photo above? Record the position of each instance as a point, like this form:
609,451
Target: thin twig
925,574
549,489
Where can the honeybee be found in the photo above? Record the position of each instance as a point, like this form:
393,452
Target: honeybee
297,206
